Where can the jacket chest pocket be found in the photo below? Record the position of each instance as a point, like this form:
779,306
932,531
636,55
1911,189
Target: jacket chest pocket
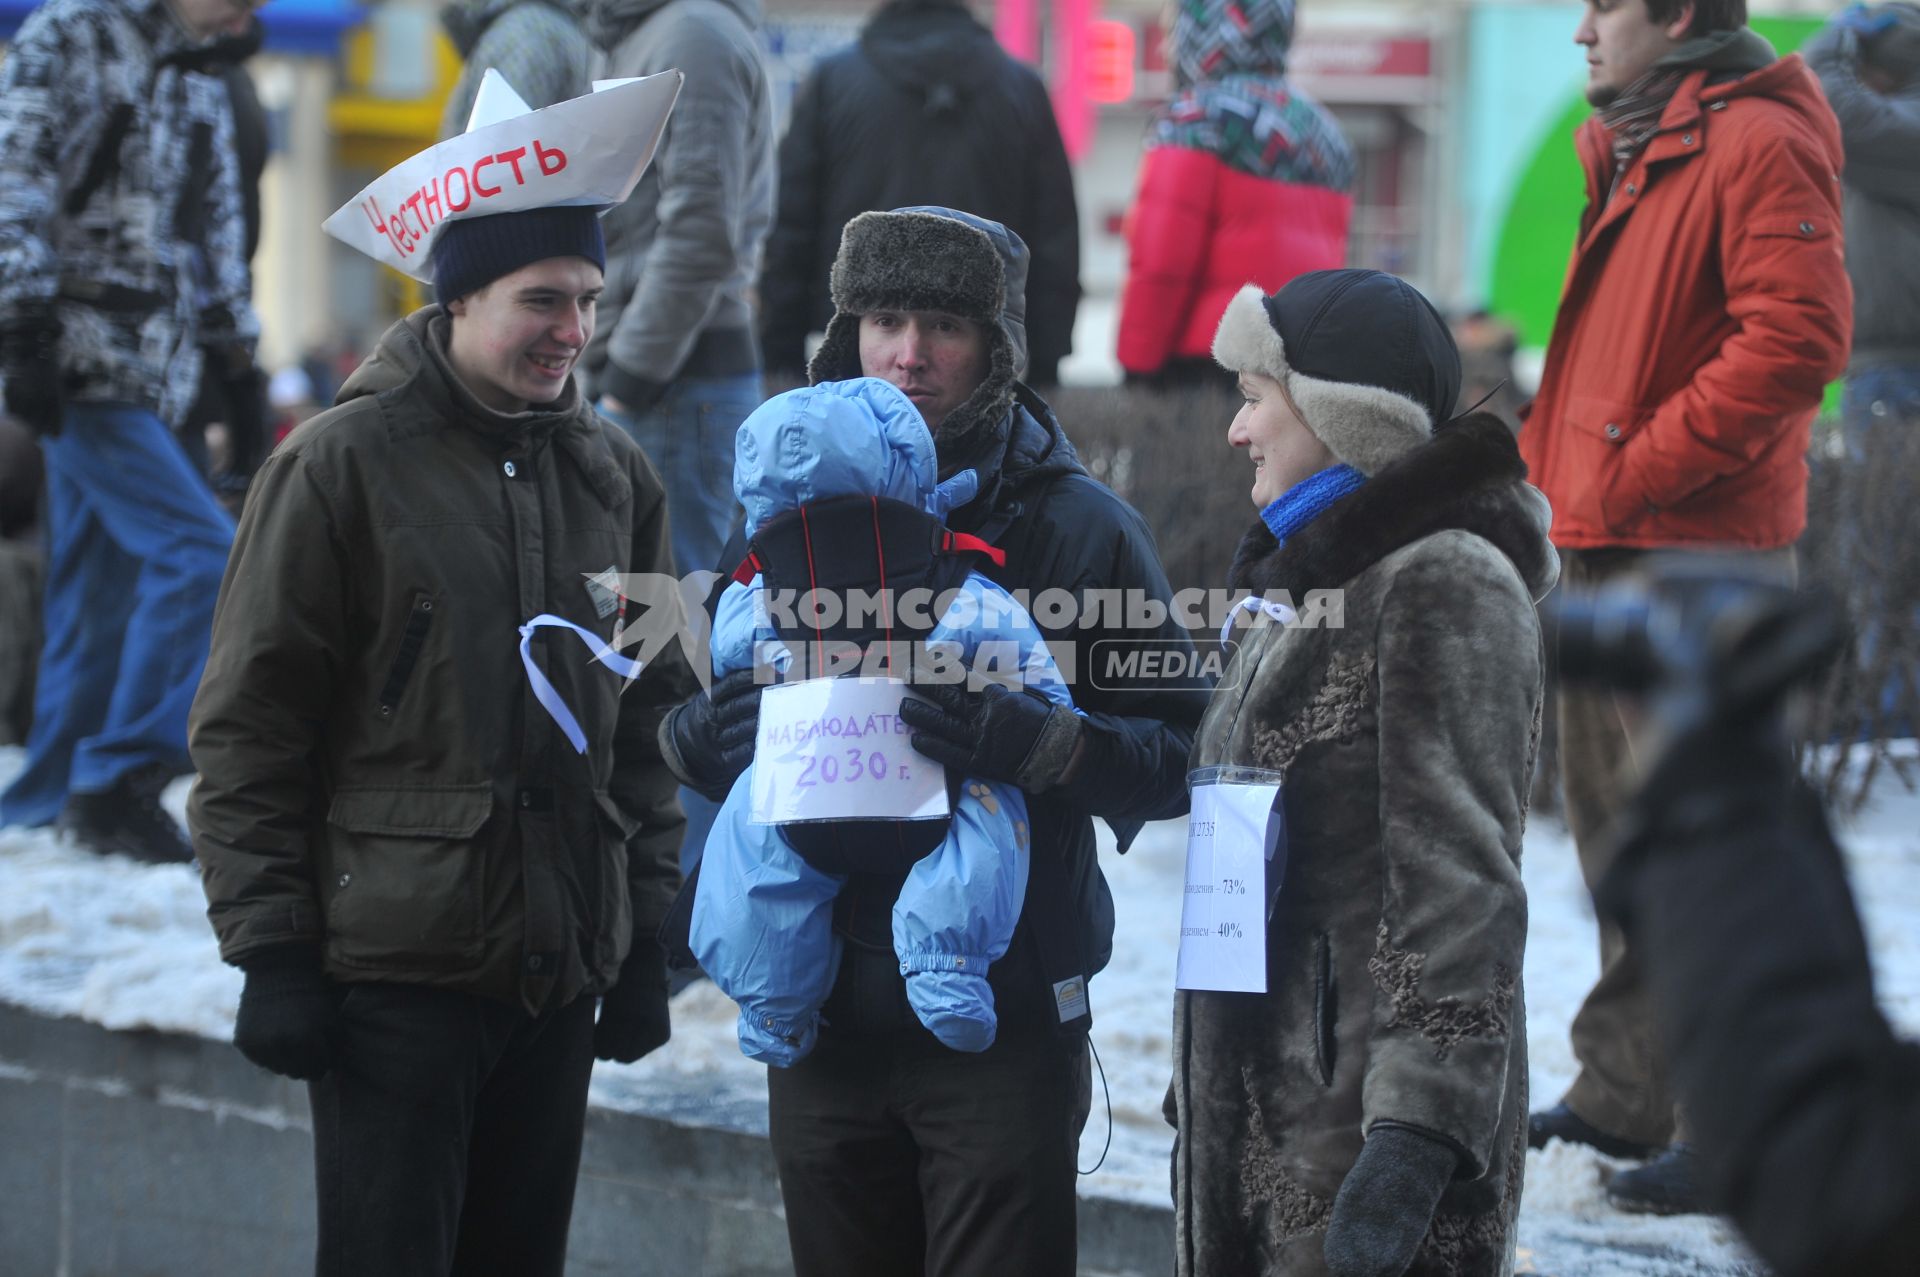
405,886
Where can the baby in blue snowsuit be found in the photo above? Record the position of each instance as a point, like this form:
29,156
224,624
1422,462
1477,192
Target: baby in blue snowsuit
762,915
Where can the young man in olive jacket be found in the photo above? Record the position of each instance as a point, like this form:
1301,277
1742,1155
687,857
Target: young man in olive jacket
896,1154
424,881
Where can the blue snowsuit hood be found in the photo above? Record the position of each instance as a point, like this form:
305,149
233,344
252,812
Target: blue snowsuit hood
861,437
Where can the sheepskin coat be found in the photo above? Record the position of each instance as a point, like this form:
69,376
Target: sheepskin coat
1406,737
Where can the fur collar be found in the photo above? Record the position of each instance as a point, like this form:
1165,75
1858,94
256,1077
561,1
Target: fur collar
1470,477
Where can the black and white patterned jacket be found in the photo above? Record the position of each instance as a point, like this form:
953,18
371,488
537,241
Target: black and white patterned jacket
119,200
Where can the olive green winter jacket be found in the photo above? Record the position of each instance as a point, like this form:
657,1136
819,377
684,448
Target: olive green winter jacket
375,773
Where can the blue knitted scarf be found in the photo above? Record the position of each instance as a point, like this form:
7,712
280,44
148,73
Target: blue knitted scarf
1304,502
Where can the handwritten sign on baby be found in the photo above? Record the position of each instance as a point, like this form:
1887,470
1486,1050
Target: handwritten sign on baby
837,749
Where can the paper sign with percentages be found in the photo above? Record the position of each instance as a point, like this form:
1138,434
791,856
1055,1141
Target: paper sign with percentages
1223,916
837,749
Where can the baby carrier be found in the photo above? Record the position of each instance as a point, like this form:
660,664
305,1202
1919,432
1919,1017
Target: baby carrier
871,547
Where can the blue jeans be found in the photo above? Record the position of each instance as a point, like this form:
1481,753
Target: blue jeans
136,549
688,435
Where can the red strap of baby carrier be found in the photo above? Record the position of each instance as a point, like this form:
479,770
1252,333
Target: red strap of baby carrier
966,542
748,569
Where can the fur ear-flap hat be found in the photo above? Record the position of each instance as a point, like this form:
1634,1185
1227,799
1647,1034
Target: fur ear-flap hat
1367,360
927,258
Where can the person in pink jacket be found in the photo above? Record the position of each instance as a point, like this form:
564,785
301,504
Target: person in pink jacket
1246,179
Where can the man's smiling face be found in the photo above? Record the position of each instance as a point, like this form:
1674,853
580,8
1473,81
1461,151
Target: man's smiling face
514,342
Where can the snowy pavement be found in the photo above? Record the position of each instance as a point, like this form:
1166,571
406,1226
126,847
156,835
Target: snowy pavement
127,946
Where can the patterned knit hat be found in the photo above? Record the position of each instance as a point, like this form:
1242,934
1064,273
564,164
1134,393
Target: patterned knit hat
1367,360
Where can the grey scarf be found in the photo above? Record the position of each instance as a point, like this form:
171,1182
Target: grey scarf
1634,117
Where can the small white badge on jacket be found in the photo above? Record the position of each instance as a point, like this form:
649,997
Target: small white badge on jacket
603,587
1070,996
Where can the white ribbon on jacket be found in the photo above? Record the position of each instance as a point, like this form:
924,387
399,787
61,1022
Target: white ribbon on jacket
543,689
1254,603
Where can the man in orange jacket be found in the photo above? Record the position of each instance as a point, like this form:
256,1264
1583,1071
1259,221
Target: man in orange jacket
1706,308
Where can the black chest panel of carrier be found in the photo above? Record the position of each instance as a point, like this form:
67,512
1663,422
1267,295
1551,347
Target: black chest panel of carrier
858,584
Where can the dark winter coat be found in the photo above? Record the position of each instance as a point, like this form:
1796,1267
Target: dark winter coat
118,191
925,109
375,773
1406,737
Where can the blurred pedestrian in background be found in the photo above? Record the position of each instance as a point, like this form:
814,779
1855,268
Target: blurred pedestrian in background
1868,61
1245,179
926,108
675,360
537,44
123,283
234,405
1705,311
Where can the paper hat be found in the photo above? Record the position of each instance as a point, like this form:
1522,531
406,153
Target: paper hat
589,150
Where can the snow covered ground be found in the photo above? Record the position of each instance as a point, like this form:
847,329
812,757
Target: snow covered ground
127,946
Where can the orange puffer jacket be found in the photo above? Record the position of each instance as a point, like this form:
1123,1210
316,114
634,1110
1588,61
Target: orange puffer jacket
1706,309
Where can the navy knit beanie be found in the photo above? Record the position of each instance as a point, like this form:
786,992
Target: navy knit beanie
475,251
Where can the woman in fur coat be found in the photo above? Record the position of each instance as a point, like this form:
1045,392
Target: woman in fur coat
1367,1114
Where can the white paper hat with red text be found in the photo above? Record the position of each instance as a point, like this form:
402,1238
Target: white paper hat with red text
589,150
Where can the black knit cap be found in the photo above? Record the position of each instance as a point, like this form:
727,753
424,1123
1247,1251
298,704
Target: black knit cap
475,251
1370,328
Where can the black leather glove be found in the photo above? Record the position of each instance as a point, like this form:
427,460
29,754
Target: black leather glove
30,365
633,1013
289,1011
1018,737
1385,1205
707,742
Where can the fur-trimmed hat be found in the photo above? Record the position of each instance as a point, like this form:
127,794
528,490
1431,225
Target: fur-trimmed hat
929,258
1367,361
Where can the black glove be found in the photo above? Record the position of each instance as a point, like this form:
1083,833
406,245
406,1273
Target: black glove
288,1012
244,387
30,365
995,734
633,1013
1385,1205
707,742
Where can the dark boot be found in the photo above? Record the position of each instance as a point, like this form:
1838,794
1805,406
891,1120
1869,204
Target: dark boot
1668,1185
1562,1123
126,818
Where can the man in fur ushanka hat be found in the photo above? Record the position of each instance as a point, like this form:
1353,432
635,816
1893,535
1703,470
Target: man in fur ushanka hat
431,850
897,1155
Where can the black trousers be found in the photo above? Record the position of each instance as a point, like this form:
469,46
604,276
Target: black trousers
898,1156
447,1136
